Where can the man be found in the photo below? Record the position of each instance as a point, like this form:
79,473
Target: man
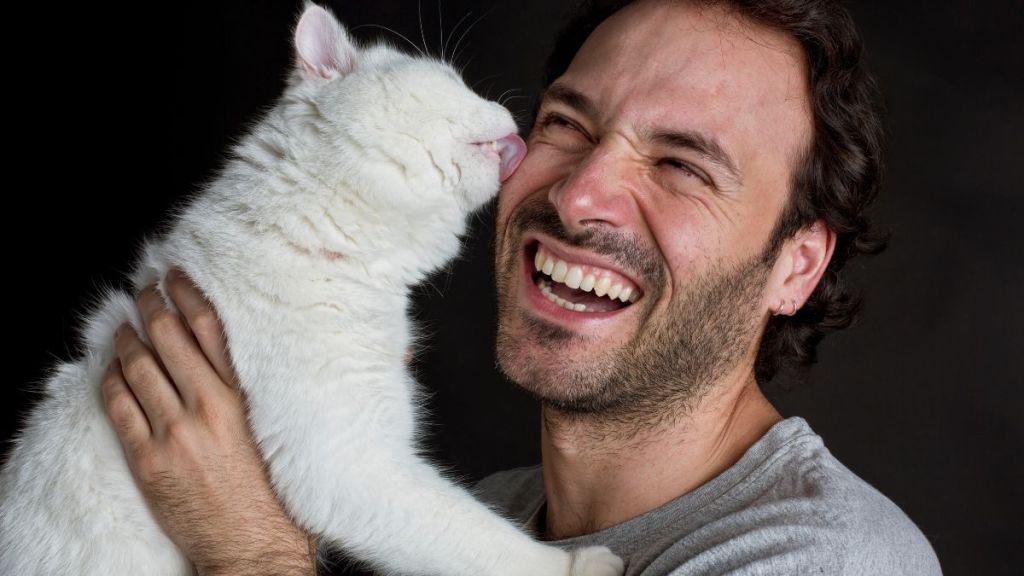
708,164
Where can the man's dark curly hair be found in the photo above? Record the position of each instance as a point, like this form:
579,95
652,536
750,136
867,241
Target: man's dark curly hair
836,178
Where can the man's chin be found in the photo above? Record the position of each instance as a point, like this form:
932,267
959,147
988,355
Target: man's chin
553,368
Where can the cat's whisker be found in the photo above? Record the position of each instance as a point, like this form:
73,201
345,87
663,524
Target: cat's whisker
393,31
440,28
419,17
484,79
462,70
521,118
455,52
444,46
517,115
501,97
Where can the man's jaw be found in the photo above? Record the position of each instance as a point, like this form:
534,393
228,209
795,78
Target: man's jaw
574,288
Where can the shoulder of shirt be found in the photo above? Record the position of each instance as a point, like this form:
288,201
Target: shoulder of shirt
861,528
803,504
851,502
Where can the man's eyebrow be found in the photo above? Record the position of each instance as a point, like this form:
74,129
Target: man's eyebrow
702,144
562,94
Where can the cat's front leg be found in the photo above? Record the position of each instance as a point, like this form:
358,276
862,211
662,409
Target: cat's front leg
349,471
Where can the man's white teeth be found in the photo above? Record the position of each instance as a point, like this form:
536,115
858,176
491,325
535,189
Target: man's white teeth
588,283
572,276
614,291
561,269
545,289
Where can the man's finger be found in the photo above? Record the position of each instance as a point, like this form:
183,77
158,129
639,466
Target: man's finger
123,408
202,319
155,392
177,349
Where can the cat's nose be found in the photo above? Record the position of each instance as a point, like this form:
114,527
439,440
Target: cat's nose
512,150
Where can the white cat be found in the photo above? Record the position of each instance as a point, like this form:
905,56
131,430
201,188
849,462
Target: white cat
354,187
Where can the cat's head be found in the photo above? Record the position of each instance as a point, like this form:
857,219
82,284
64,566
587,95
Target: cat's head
401,130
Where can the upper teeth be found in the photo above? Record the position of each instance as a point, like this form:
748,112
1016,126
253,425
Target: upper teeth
586,278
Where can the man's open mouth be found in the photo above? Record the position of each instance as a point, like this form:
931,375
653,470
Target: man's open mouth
579,286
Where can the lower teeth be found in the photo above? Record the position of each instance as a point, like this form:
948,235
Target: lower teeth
545,289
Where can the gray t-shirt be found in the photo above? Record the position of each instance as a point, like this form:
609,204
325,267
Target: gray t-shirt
787,507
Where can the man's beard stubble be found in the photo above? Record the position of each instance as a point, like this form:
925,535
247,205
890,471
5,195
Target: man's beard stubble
667,367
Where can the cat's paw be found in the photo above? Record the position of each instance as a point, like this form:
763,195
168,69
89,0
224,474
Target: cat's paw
595,561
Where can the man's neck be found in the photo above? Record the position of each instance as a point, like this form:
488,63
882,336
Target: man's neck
595,479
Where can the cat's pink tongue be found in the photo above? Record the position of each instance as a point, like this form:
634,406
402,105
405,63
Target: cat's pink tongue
512,149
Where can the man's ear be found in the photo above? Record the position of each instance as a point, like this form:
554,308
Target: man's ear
798,269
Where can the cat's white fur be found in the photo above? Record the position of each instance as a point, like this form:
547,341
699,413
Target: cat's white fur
353,188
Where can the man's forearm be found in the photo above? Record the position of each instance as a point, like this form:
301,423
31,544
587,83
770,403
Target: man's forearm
288,555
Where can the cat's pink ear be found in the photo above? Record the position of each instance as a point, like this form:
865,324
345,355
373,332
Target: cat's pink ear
322,45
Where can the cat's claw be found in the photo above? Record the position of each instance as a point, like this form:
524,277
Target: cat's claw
596,561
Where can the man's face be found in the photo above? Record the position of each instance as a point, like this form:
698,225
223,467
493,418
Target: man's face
657,170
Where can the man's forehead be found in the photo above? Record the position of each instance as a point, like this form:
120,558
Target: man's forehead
659,63
675,32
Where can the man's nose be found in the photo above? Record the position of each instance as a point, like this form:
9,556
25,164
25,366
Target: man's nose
594,193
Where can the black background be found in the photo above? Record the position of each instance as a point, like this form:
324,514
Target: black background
116,113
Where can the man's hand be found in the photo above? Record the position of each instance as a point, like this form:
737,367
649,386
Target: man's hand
181,421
